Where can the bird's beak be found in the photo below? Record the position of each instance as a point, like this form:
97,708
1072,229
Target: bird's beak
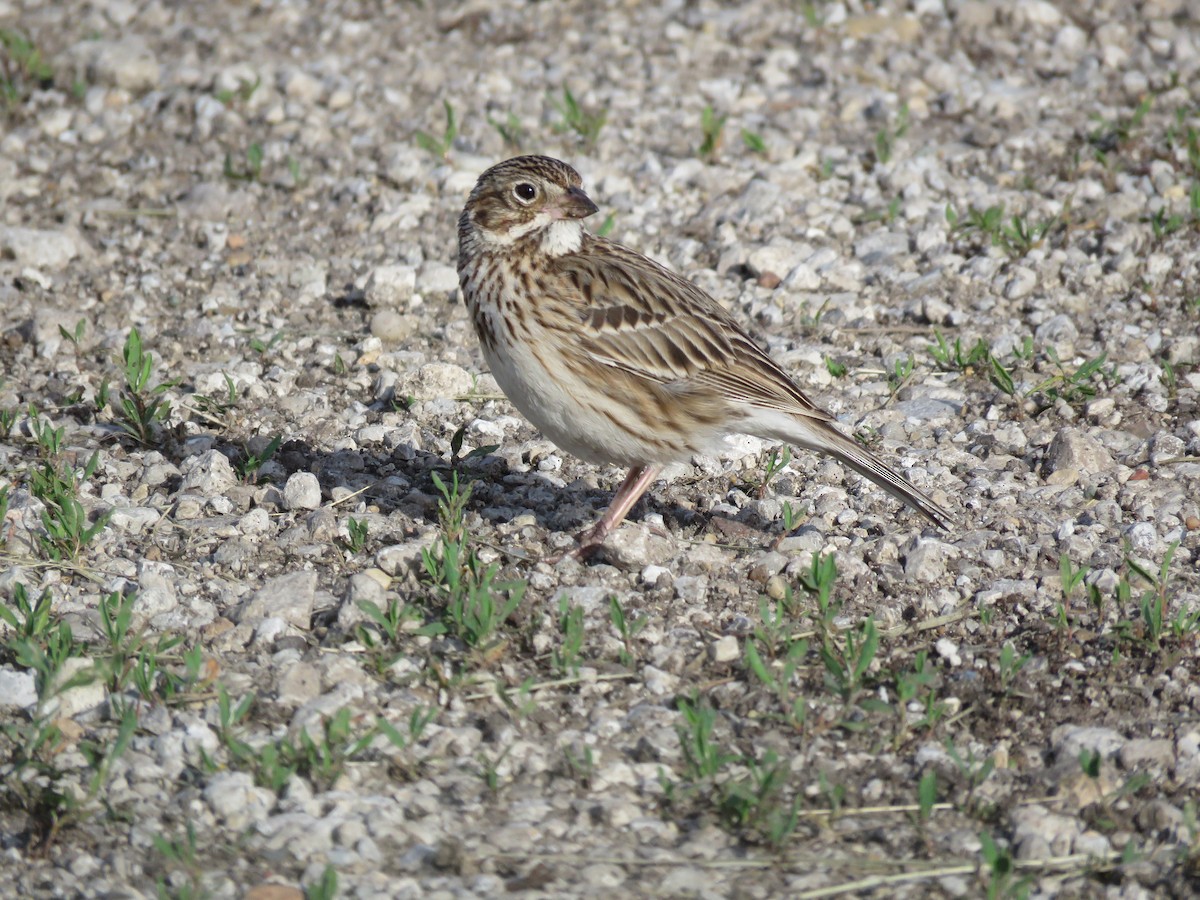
574,204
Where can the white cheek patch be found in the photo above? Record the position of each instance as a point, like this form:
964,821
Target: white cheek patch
559,236
516,232
562,237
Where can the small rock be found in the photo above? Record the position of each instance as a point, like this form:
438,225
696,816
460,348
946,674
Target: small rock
725,649
391,285
233,797
39,249
290,597
127,63
691,588
634,547
302,491
1072,449
297,684
1068,740
770,563
437,278
69,703
393,327
434,381
1148,752
18,690
881,246
210,473
948,651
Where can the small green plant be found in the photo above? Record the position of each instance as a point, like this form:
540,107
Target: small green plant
4,530
956,358
55,482
917,685
972,770
886,137
75,335
927,792
711,126
511,131
582,765
1164,223
819,582
418,721
261,347
1000,870
586,124
606,226
140,409
249,169
703,758
1016,237
790,516
902,370
21,68
216,408
1074,387
1156,598
31,778
440,146
242,93
248,468
567,657
475,603
325,888
754,142
322,759
356,531
382,634
456,443
627,630
789,655
181,853
835,368
1010,665
776,463
489,768
846,662
1112,134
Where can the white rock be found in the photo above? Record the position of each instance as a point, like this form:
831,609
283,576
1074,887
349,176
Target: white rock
41,249
209,473
302,491
18,688
390,285
289,597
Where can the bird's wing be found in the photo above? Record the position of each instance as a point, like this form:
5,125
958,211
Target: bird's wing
634,315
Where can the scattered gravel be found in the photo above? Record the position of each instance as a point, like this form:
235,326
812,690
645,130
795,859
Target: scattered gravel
243,183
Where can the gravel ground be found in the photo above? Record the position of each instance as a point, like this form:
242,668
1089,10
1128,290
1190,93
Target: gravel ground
263,197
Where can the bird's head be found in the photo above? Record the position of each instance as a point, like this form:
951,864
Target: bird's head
528,196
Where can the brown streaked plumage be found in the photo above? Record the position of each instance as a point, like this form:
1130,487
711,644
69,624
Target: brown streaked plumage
612,356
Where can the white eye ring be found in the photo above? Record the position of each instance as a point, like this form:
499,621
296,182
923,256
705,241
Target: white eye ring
525,192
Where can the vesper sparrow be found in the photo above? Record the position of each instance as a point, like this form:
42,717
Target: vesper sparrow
615,358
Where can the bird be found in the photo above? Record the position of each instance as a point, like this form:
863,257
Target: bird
615,358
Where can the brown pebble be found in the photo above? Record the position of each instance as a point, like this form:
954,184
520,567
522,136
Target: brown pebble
769,280
235,241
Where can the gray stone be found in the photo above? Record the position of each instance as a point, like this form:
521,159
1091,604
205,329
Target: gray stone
289,597
302,491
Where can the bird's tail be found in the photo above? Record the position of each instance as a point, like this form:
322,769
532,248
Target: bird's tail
818,434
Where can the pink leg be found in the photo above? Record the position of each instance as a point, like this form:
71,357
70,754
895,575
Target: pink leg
630,491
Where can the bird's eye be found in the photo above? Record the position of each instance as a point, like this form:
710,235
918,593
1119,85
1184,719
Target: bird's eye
525,191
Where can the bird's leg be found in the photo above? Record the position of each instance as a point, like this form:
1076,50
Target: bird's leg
631,489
